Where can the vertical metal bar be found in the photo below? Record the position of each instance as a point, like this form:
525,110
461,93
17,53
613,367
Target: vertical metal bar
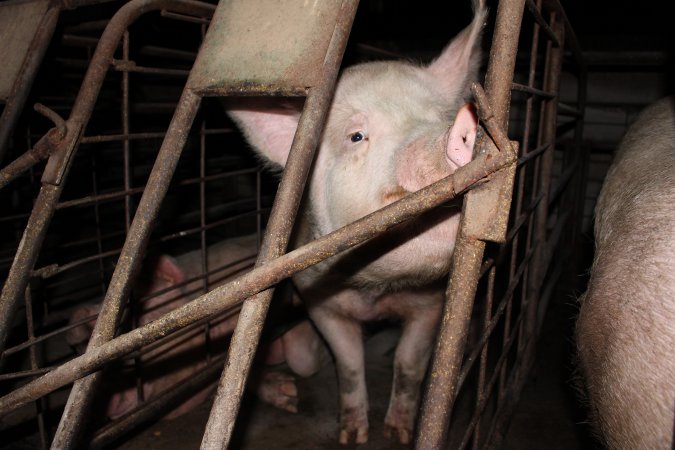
128,264
34,364
445,368
26,76
541,214
480,389
59,162
126,144
251,318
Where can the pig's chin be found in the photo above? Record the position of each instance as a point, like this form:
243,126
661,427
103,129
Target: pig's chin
415,253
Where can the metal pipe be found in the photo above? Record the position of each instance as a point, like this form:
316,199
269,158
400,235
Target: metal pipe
282,218
60,161
446,363
224,297
539,268
128,264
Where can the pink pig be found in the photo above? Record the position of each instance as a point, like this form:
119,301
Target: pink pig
393,128
300,347
626,327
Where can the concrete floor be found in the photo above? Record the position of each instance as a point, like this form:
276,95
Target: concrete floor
547,417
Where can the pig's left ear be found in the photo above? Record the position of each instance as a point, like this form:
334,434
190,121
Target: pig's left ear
458,65
268,127
462,136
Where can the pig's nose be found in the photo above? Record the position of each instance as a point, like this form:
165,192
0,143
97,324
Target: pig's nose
458,156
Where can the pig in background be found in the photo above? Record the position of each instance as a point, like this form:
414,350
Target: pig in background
393,128
162,367
626,327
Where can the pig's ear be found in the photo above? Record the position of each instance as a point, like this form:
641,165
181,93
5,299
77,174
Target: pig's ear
168,271
462,136
268,127
458,64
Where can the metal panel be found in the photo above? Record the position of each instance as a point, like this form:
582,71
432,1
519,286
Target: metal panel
262,46
18,25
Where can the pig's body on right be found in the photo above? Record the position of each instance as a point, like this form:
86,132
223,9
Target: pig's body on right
626,327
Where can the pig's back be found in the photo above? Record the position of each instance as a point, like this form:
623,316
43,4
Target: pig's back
626,327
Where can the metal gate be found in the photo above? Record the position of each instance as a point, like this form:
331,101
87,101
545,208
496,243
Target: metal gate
518,229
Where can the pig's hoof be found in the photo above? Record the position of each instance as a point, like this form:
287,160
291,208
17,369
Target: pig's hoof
360,433
354,425
278,389
404,434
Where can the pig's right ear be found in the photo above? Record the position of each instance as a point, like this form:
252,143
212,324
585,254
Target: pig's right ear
268,127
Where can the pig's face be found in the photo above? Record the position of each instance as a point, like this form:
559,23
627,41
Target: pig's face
389,133
393,128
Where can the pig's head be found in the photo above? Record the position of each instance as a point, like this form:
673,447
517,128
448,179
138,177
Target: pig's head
393,128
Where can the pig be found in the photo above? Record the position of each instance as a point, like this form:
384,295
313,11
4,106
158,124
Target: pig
299,346
625,332
393,128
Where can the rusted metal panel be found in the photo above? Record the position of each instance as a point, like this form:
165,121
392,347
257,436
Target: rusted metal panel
223,298
265,47
19,22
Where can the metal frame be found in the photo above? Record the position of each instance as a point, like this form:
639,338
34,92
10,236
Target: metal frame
515,310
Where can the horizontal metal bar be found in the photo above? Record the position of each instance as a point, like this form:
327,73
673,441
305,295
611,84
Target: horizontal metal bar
532,91
233,293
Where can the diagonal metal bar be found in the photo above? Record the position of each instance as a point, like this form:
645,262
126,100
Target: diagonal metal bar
252,317
475,228
261,278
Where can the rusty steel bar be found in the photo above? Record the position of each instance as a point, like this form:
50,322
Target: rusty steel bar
275,241
40,405
128,264
259,279
42,149
445,366
546,165
482,369
60,161
26,76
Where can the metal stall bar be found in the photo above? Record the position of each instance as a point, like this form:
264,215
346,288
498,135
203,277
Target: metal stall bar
484,217
59,162
252,316
223,298
548,134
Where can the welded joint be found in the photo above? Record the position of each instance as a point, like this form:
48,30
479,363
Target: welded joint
43,148
486,115
61,155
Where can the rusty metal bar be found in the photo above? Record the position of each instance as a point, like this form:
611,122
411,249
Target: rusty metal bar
59,162
548,134
528,89
445,367
42,149
282,218
539,19
259,279
128,265
26,76
40,405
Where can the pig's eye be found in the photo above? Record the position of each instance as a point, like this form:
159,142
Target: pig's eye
357,137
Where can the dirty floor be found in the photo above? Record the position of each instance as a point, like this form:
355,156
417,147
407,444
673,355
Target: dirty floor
547,417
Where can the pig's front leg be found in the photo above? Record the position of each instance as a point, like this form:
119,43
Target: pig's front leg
344,336
410,364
